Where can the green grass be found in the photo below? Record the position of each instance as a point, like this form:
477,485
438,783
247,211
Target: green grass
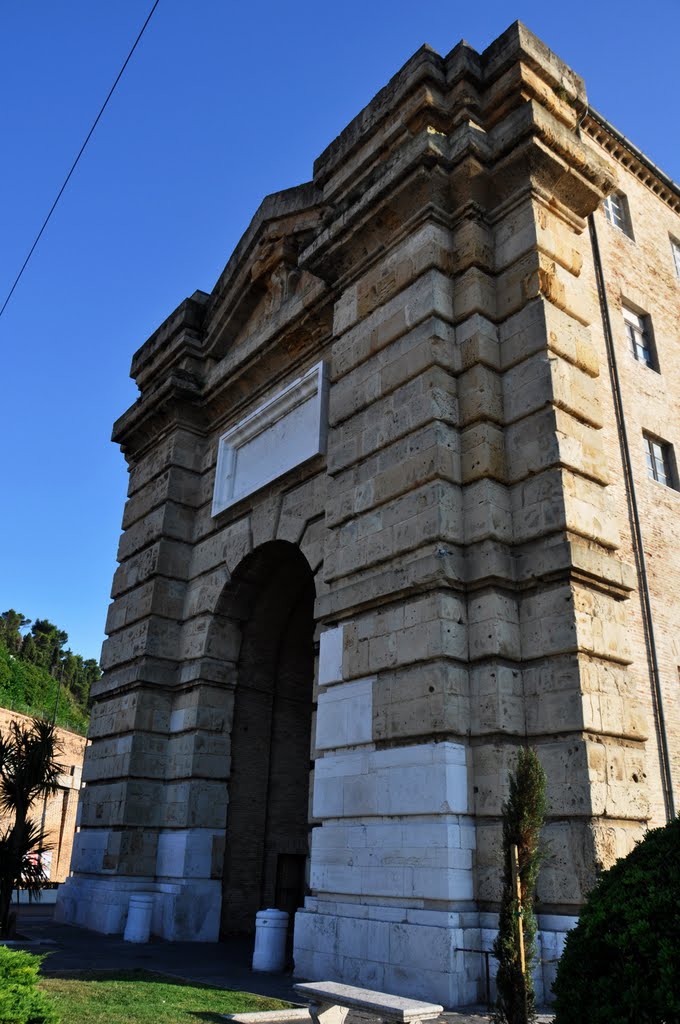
142,997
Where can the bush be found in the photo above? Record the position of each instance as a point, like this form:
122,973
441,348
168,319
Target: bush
620,963
21,1002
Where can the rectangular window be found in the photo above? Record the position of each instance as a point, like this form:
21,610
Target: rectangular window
616,212
639,331
675,247
659,460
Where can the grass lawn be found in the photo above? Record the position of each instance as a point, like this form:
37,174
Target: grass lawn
142,997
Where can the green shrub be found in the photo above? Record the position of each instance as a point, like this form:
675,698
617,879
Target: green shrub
21,1002
621,963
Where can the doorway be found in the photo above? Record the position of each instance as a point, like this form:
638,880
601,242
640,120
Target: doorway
271,596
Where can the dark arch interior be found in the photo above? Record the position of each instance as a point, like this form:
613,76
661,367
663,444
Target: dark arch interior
272,599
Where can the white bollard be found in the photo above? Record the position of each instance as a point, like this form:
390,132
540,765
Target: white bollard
138,927
271,929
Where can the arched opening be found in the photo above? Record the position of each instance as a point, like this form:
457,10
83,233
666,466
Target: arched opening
271,598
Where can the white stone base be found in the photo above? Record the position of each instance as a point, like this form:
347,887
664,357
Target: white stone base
552,933
184,911
423,954
392,949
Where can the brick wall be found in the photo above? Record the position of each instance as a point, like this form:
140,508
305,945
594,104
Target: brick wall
640,274
59,811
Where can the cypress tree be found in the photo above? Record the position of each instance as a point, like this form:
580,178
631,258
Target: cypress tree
523,817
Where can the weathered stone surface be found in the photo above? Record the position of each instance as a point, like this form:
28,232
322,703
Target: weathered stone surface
454,575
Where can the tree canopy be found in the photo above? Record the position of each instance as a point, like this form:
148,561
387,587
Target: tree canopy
40,675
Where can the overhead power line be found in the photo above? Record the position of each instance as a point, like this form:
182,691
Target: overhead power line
80,153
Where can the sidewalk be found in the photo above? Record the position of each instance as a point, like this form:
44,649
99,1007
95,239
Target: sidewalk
219,964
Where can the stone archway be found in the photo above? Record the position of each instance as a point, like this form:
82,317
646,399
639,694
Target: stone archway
270,601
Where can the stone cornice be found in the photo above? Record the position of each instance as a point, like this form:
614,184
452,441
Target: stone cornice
178,334
176,401
630,157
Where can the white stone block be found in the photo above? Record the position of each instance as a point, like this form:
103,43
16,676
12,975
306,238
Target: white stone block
419,946
468,837
406,859
457,788
186,853
185,912
385,914
365,973
419,983
394,882
170,855
416,958
335,878
179,719
557,922
328,797
337,766
330,656
189,912
356,837
420,779
345,715
361,797
450,753
89,848
443,884
404,757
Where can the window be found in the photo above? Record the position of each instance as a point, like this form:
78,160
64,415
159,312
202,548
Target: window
616,212
675,247
659,460
639,331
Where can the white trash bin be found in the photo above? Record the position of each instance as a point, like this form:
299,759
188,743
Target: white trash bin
138,927
271,929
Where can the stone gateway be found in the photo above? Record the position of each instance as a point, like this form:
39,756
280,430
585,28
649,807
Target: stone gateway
402,498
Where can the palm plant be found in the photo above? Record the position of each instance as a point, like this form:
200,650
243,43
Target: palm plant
28,771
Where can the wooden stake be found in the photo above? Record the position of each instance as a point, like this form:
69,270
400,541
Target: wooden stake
514,861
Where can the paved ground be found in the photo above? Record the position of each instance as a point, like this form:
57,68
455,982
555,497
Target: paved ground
221,964
225,965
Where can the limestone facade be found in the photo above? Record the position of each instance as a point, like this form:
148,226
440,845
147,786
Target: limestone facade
57,814
380,533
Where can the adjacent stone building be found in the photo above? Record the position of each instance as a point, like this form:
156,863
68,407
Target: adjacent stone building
56,814
403,496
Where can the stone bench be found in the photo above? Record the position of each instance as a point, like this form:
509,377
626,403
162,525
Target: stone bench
330,1002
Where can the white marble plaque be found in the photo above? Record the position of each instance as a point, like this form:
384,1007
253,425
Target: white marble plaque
282,433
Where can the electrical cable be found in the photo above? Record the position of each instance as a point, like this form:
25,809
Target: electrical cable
80,153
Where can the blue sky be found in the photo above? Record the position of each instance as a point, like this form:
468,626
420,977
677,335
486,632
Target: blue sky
221,104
